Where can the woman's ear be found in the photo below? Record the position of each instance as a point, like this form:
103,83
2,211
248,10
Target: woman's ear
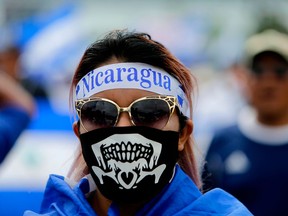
185,134
76,128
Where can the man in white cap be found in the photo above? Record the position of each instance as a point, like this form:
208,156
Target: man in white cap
250,159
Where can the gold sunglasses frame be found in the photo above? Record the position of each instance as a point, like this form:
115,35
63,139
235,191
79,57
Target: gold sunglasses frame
170,100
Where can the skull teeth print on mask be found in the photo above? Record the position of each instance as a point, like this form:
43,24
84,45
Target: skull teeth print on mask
127,163
130,163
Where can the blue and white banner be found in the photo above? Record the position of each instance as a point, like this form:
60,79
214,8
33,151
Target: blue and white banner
132,76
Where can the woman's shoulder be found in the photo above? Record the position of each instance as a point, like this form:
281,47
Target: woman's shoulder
64,197
220,202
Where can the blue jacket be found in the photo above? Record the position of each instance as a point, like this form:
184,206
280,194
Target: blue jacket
13,121
181,197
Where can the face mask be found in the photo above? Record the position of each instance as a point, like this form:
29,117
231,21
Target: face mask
130,164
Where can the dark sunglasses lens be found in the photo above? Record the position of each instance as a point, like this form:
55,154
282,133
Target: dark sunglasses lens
278,71
281,71
151,113
258,71
98,114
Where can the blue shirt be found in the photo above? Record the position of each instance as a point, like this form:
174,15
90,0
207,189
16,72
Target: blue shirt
255,173
13,121
180,197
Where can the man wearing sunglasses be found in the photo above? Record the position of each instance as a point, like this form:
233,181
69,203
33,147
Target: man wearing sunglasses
249,160
134,122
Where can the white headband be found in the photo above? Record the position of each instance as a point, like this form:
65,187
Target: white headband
132,76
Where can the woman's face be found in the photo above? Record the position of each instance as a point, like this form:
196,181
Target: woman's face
124,97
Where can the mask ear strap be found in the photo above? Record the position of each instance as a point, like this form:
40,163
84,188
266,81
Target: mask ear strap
78,124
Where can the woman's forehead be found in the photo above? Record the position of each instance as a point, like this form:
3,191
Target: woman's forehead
123,97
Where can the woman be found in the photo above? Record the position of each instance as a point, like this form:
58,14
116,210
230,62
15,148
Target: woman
133,102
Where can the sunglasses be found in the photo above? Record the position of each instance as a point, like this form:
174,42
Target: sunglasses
280,71
150,111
